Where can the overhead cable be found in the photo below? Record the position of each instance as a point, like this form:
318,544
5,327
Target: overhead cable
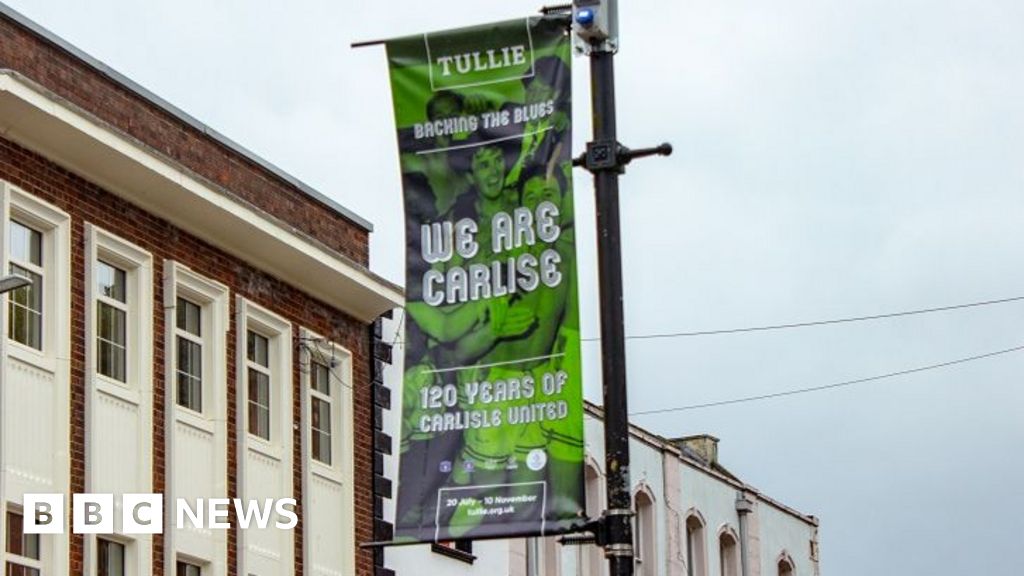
816,322
826,386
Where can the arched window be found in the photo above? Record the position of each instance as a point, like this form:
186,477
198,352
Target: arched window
728,553
696,556
785,565
644,536
542,556
591,560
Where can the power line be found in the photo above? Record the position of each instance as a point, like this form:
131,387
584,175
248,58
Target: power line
312,347
816,322
398,329
793,324
827,386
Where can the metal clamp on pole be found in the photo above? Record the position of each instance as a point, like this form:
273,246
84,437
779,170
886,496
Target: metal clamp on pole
616,523
612,156
603,156
619,512
618,551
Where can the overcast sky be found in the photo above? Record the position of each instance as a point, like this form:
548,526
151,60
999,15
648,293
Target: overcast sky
833,158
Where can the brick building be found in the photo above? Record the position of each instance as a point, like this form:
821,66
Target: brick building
200,324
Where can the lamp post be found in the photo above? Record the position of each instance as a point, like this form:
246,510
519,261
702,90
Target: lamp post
595,23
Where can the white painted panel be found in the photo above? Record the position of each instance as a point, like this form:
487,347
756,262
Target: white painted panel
270,549
117,434
328,495
327,534
119,446
194,457
29,430
36,445
265,467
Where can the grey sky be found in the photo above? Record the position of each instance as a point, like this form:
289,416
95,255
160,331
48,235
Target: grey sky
833,158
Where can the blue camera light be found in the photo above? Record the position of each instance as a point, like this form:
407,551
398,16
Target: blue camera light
585,16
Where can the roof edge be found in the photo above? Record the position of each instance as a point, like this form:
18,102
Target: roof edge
180,114
665,445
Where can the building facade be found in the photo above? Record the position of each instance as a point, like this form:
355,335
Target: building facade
692,518
199,325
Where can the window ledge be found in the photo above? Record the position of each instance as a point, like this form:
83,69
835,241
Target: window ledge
117,389
262,447
31,356
193,419
453,553
326,472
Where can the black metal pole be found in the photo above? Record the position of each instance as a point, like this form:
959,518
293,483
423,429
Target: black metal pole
618,528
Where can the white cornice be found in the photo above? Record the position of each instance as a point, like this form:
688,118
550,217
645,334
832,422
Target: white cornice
40,120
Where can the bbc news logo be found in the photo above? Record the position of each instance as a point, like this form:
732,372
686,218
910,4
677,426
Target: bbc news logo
144,513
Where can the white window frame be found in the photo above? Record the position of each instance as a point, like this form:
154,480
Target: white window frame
138,266
5,556
589,558
541,556
32,269
179,334
728,556
696,546
55,226
332,419
645,552
131,562
785,558
213,297
315,348
278,332
533,555
252,365
101,299
200,564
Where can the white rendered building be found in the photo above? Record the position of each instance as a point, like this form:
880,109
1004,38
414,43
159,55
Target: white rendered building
693,518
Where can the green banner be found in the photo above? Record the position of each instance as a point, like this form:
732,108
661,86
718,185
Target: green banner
492,406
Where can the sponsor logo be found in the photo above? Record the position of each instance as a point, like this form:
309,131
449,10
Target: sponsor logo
536,459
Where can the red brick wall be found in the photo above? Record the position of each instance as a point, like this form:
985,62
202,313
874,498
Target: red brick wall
86,202
96,93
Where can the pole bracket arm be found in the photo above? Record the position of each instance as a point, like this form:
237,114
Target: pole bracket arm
556,9
598,528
